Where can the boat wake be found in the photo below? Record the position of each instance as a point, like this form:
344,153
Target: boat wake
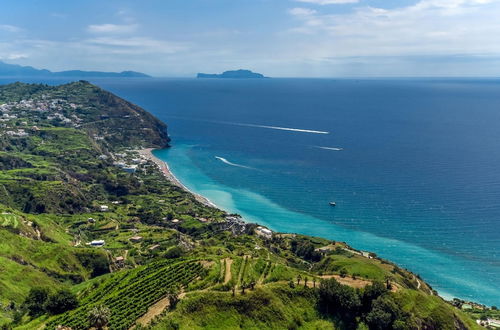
292,129
225,161
330,148
284,128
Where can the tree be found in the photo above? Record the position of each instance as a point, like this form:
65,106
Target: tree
337,297
343,272
173,296
35,301
372,292
60,302
252,284
305,281
388,284
99,317
383,313
314,282
298,279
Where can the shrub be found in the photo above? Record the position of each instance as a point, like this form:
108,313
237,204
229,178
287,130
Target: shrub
60,302
35,301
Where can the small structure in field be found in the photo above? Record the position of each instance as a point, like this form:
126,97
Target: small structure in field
120,261
97,243
136,239
104,208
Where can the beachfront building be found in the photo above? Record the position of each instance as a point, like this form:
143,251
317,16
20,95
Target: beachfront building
264,232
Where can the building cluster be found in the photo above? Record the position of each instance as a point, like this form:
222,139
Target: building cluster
129,163
15,117
492,323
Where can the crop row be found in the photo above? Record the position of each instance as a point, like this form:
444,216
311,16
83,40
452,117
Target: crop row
130,296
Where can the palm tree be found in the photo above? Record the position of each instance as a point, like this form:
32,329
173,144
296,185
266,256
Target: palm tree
99,317
314,281
298,279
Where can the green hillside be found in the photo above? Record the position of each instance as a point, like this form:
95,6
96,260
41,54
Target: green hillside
92,234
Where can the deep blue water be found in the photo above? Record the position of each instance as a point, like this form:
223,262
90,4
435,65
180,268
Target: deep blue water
417,180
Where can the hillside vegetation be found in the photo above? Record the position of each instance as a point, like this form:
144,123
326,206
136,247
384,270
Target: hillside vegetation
92,235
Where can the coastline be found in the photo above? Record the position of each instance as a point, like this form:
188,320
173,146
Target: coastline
163,166
165,170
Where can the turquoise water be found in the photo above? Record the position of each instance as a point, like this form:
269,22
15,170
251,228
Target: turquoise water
412,164
450,276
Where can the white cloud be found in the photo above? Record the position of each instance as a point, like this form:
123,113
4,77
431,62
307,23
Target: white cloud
429,27
9,28
134,45
112,28
15,56
328,2
302,11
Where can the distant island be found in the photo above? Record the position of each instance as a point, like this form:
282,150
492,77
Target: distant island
28,71
238,74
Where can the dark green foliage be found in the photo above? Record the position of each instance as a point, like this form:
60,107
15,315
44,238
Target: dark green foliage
95,261
372,292
174,252
306,250
336,298
383,313
34,304
60,302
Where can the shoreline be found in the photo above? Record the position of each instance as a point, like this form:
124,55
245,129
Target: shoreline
167,173
164,168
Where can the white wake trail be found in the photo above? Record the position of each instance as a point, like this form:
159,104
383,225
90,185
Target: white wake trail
330,148
284,128
225,161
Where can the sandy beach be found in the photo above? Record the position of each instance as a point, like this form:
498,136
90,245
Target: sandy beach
165,170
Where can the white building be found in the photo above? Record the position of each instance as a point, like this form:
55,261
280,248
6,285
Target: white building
98,242
264,232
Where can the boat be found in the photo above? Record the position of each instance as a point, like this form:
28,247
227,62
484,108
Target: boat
333,204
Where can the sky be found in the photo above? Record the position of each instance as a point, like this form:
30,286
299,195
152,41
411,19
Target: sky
279,38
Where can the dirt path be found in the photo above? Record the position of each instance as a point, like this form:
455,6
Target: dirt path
155,310
355,283
227,274
264,273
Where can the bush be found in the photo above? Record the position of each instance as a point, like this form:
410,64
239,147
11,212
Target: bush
339,298
60,302
34,303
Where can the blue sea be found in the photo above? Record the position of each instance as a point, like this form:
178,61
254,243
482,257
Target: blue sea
412,164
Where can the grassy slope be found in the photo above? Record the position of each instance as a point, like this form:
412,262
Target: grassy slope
275,306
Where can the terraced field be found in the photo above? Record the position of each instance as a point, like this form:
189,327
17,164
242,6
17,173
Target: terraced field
128,295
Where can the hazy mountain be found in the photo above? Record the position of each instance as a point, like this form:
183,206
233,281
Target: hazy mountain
28,71
240,74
